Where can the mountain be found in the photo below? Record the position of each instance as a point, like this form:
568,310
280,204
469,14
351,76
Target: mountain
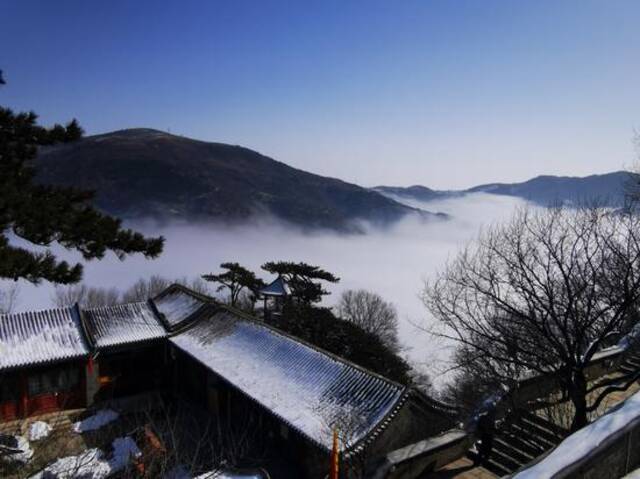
417,192
140,173
607,189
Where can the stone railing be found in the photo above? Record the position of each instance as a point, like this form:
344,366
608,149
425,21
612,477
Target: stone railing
427,455
607,448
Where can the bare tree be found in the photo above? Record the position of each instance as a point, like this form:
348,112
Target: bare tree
372,313
196,284
85,296
144,289
541,295
9,298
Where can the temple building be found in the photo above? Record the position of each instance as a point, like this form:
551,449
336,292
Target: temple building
232,365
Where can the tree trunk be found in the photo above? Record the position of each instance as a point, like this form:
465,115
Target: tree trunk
578,395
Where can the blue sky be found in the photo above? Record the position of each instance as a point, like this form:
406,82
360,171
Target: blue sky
446,94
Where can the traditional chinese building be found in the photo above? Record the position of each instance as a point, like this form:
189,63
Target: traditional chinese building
231,364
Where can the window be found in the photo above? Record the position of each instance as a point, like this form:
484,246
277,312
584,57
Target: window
56,380
8,389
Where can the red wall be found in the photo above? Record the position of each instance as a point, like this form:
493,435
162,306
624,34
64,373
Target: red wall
23,404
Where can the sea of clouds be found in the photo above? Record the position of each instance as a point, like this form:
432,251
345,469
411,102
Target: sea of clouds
393,262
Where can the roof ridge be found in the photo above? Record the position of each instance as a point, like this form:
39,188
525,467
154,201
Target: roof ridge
304,342
36,311
257,321
118,305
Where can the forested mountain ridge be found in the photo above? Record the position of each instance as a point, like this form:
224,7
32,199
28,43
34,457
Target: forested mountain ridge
140,173
608,189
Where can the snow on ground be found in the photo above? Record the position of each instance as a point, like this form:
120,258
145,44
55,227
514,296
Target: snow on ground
21,457
581,443
39,430
633,475
91,464
181,472
99,419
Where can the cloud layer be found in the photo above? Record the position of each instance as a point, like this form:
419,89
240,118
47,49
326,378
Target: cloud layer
394,262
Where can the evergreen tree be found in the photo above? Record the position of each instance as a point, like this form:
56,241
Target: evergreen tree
302,278
236,279
44,214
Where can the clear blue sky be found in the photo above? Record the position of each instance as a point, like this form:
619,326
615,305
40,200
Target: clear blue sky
446,94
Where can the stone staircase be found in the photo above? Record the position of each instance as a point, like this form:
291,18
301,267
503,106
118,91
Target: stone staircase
631,364
518,440
61,420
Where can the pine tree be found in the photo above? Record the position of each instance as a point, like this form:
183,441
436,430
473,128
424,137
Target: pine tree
302,278
236,278
45,214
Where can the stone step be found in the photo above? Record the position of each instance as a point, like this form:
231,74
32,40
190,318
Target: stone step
490,465
57,420
536,433
509,448
541,431
523,444
495,467
626,369
632,362
558,430
500,456
526,433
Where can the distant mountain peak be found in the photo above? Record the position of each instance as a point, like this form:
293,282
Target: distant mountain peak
142,172
607,189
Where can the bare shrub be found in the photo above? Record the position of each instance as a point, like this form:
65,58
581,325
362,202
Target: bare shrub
9,298
541,295
85,296
372,313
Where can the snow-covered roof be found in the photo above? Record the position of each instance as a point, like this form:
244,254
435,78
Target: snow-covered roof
178,305
37,337
310,390
122,324
278,287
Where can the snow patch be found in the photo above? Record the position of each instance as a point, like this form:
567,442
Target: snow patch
91,464
98,420
39,430
25,454
181,472
581,443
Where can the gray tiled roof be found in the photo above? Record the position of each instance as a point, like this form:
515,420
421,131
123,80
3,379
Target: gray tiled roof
278,287
310,390
123,324
178,305
38,337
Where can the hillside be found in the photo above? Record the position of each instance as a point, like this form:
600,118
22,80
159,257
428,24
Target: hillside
147,173
607,189
417,192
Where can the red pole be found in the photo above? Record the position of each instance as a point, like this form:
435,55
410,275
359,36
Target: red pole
24,395
335,457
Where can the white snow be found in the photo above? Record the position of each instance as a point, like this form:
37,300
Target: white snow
99,419
177,306
39,430
289,379
38,336
581,443
124,323
181,472
630,338
24,456
633,475
91,464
